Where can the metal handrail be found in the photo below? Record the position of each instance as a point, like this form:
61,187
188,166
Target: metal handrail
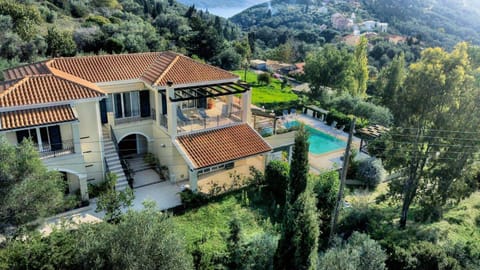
68,147
114,140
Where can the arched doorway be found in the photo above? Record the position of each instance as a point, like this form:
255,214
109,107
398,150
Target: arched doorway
133,144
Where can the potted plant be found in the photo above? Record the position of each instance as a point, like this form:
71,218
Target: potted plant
164,172
210,103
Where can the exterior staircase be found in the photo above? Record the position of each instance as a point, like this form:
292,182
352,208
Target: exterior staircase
137,163
113,160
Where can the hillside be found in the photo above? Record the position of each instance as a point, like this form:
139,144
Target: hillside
434,22
34,30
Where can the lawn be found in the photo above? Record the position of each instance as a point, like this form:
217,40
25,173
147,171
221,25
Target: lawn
206,228
263,94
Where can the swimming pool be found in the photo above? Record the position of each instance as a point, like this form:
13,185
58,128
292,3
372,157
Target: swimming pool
320,142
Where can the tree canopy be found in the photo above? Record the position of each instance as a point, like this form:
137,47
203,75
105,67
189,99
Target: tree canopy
27,189
432,147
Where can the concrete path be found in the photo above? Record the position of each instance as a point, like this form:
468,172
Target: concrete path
164,194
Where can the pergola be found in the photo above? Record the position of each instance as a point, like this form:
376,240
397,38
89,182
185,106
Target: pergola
209,91
316,111
368,134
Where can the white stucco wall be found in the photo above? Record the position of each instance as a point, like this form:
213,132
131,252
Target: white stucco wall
91,140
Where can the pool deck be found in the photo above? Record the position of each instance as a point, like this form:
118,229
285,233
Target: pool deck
331,160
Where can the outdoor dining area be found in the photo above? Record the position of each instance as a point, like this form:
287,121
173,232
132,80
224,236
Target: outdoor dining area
217,113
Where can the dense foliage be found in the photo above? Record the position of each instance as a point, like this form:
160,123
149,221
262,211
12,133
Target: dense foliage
27,190
144,239
34,30
432,149
359,252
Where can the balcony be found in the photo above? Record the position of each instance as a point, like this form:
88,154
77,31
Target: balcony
214,119
126,120
194,119
55,150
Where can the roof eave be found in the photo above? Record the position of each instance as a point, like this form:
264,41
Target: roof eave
50,104
198,84
42,125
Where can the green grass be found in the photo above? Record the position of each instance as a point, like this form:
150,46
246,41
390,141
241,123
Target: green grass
272,93
208,225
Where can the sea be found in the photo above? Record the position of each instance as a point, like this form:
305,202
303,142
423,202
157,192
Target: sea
222,8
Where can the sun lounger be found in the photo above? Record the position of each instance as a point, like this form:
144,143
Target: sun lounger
334,124
202,113
181,116
225,110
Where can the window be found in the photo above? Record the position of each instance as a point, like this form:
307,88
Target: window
51,138
27,133
126,104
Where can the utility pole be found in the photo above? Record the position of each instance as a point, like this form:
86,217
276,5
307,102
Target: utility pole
343,177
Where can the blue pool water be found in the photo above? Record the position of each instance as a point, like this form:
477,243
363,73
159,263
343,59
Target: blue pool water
319,142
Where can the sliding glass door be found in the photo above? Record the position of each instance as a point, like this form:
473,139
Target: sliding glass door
126,104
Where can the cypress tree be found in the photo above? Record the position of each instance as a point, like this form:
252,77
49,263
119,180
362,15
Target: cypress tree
299,167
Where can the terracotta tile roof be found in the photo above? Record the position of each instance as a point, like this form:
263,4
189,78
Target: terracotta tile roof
104,68
36,117
184,70
43,89
222,145
6,84
156,68
22,71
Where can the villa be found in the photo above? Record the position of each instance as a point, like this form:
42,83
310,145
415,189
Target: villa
85,113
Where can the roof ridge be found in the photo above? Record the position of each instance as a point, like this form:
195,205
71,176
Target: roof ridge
167,69
25,65
72,78
160,54
103,55
15,85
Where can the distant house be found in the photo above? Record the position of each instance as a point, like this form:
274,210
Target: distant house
299,69
303,88
368,25
279,67
258,64
382,27
340,22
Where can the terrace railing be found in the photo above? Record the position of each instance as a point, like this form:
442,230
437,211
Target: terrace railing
136,118
55,150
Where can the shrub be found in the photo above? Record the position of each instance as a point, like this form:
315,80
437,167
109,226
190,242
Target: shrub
264,78
430,256
371,172
96,189
359,218
276,178
258,252
78,9
97,19
192,199
359,252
